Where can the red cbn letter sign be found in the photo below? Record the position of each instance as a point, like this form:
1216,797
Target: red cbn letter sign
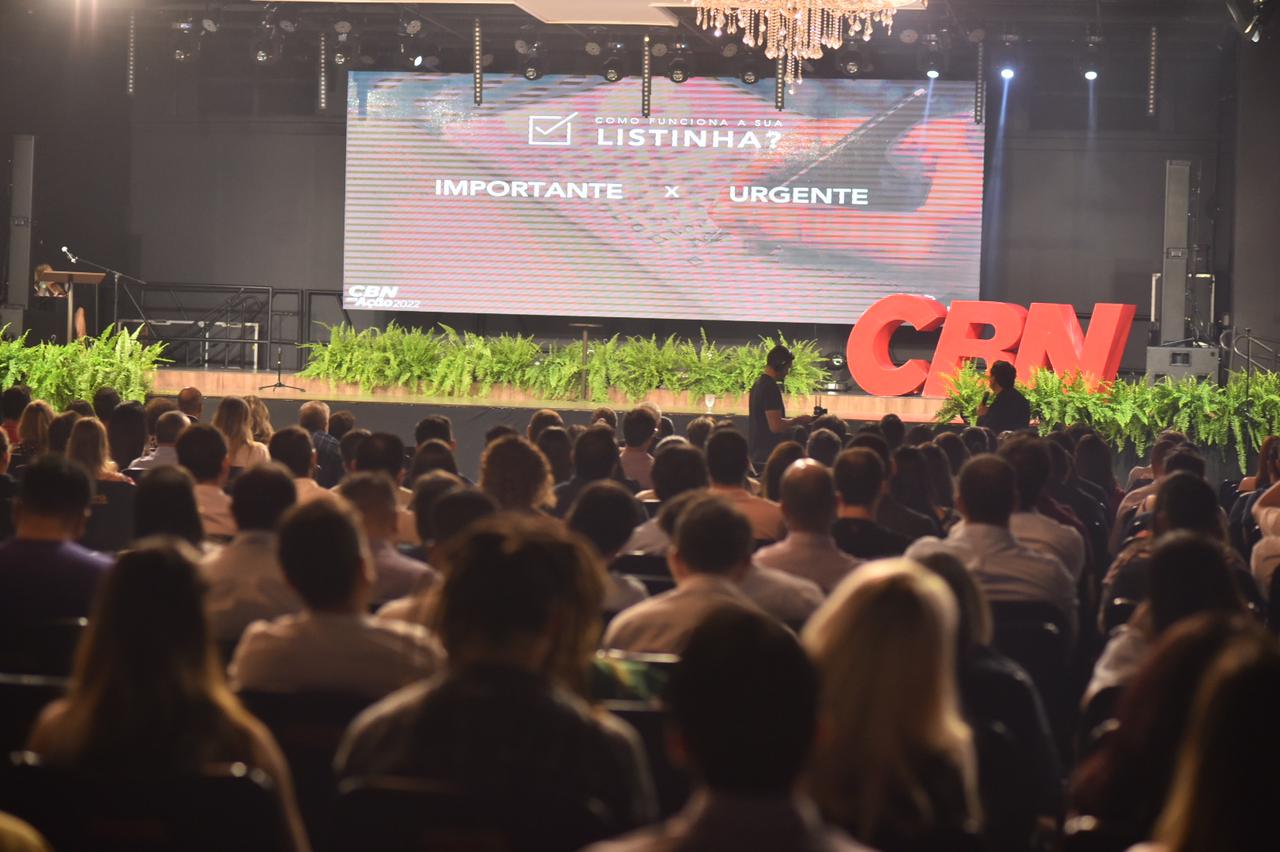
1042,336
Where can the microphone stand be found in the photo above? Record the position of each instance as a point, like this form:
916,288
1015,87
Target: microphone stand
279,382
117,279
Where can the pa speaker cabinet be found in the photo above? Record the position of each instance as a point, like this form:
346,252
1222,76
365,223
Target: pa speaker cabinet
1179,362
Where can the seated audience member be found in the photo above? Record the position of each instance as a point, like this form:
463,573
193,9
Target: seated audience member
1094,464
88,447
666,428
639,427
1265,555
235,421
340,423
156,408
698,430
44,574
33,430
383,452
436,427
168,428
1031,463
785,454
1125,782
860,483
349,446
823,446
975,440
955,449
203,452
893,430
105,400
809,550
727,464
1187,574
595,457
502,430
1003,708
244,579
313,417
541,419
1005,569
1134,497
333,645
191,403
127,434
911,486
834,424
60,431
165,505
82,407
890,512
711,553
12,403
8,489
678,468
517,595
1140,475
918,436
515,473
557,446
147,697
395,575
1225,786
942,485
897,767
606,415
604,514
291,447
259,419
429,488
433,454
741,674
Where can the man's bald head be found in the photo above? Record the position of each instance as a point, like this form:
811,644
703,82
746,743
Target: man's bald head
808,497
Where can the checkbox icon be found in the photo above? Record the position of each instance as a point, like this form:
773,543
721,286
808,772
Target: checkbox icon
551,129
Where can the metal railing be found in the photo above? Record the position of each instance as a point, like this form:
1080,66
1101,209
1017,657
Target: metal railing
1255,348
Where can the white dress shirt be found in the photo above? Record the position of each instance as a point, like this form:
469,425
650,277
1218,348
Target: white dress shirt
333,652
1007,570
246,584
811,556
662,624
214,506
637,465
159,457
397,575
1042,533
649,539
1125,652
765,515
788,598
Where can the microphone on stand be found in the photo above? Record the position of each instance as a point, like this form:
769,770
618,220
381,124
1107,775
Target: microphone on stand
71,257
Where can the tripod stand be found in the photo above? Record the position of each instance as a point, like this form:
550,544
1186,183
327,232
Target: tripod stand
279,382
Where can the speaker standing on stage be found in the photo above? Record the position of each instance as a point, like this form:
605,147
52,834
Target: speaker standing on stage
768,423
1009,411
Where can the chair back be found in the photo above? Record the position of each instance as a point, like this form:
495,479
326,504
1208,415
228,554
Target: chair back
1035,636
110,526
671,783
657,585
404,815
640,565
230,808
22,697
40,647
1116,612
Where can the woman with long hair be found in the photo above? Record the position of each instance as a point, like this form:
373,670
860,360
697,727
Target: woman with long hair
1268,467
515,473
911,485
147,692
1094,464
60,431
941,483
785,454
33,429
259,419
234,420
88,446
897,769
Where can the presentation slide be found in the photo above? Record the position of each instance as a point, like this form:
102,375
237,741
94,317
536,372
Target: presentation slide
556,197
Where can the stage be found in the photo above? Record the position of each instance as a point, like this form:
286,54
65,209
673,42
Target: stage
397,410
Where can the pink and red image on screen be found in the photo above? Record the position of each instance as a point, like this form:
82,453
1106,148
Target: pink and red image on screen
556,197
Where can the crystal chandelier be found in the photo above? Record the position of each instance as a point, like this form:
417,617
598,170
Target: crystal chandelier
797,30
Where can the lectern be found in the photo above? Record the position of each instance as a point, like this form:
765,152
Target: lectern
66,283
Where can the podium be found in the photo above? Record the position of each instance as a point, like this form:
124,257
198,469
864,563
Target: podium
66,282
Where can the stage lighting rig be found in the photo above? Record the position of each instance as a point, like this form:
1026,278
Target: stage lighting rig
1090,64
749,73
267,44
346,44
614,67
535,62
854,61
932,58
680,65
186,41
1251,16
1006,59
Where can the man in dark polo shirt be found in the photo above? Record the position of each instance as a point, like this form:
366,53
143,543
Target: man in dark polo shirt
768,424
1009,411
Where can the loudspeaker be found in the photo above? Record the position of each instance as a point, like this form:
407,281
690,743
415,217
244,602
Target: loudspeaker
1176,266
18,278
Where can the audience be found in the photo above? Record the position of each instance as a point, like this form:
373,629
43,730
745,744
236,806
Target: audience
88,446
44,574
698,430
823,446
727,465
809,507
60,431
605,514
383,452
168,427
349,446
13,402
156,408
557,446
890,512
332,646
147,696
677,469
105,401
259,419
429,488
234,420
8,489
331,463
432,454
515,473
340,423
191,403
165,505
785,454
33,429
606,415
594,457
434,427
501,723
244,579
859,476
639,427
541,419
203,452
395,575
127,434
291,447
1033,466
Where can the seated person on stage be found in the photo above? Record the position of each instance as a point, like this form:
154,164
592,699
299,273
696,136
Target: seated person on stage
677,468
742,674
244,577
639,428
501,723
313,418
333,645
396,575
711,553
604,514
203,452
168,427
292,447
1006,569
728,465
860,484
1009,411
595,457
891,513
383,452
809,550
44,574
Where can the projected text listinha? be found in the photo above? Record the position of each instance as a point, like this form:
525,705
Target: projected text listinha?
556,131
848,196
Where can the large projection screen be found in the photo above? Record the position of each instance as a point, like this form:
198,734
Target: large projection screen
556,197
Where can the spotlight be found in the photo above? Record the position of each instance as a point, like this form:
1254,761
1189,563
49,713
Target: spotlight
535,65
854,61
593,48
931,59
680,65
1005,57
408,54
267,45
1007,73
749,74
1250,16
346,48
1090,62
431,57
186,41
611,70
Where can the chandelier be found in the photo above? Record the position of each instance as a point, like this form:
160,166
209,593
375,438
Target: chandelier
797,30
